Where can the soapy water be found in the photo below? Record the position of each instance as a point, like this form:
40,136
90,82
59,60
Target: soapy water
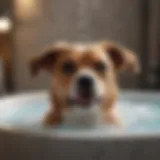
137,116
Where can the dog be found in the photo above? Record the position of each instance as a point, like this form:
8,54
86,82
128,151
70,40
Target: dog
84,76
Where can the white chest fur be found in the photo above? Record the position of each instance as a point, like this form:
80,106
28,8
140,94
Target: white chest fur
83,117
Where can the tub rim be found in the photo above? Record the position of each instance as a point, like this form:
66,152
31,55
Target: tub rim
125,94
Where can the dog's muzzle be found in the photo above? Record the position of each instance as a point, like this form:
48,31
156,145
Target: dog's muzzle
85,86
85,92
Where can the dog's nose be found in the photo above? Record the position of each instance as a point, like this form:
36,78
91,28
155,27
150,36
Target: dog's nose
85,81
85,85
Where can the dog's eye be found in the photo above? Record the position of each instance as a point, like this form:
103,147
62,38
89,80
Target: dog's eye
100,66
69,67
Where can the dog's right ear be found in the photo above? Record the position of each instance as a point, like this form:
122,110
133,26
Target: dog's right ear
45,61
122,58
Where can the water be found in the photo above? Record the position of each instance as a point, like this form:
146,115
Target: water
138,116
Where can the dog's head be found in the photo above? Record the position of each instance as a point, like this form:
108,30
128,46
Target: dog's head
84,73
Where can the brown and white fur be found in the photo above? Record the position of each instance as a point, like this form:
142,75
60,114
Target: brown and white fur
68,62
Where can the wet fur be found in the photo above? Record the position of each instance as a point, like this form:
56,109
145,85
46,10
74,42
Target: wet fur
115,56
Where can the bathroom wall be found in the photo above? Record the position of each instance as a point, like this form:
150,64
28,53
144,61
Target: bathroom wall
41,22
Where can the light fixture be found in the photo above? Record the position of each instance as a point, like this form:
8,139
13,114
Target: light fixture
5,24
26,9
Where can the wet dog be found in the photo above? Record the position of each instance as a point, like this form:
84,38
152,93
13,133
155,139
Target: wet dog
84,77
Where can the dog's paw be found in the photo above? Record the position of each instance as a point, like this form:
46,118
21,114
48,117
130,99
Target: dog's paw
114,119
52,119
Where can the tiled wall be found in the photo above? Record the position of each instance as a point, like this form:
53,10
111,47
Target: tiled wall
44,21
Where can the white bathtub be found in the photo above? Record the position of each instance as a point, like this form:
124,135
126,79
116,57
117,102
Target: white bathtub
21,139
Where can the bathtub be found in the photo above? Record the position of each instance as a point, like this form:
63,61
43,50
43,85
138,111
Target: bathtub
22,137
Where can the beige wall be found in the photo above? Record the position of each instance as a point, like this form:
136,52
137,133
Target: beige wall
46,21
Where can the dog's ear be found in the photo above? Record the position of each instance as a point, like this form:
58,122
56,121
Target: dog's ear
122,58
45,61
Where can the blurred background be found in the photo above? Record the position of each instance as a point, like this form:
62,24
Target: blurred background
27,26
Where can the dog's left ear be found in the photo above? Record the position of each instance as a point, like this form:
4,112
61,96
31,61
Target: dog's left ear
122,58
45,61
